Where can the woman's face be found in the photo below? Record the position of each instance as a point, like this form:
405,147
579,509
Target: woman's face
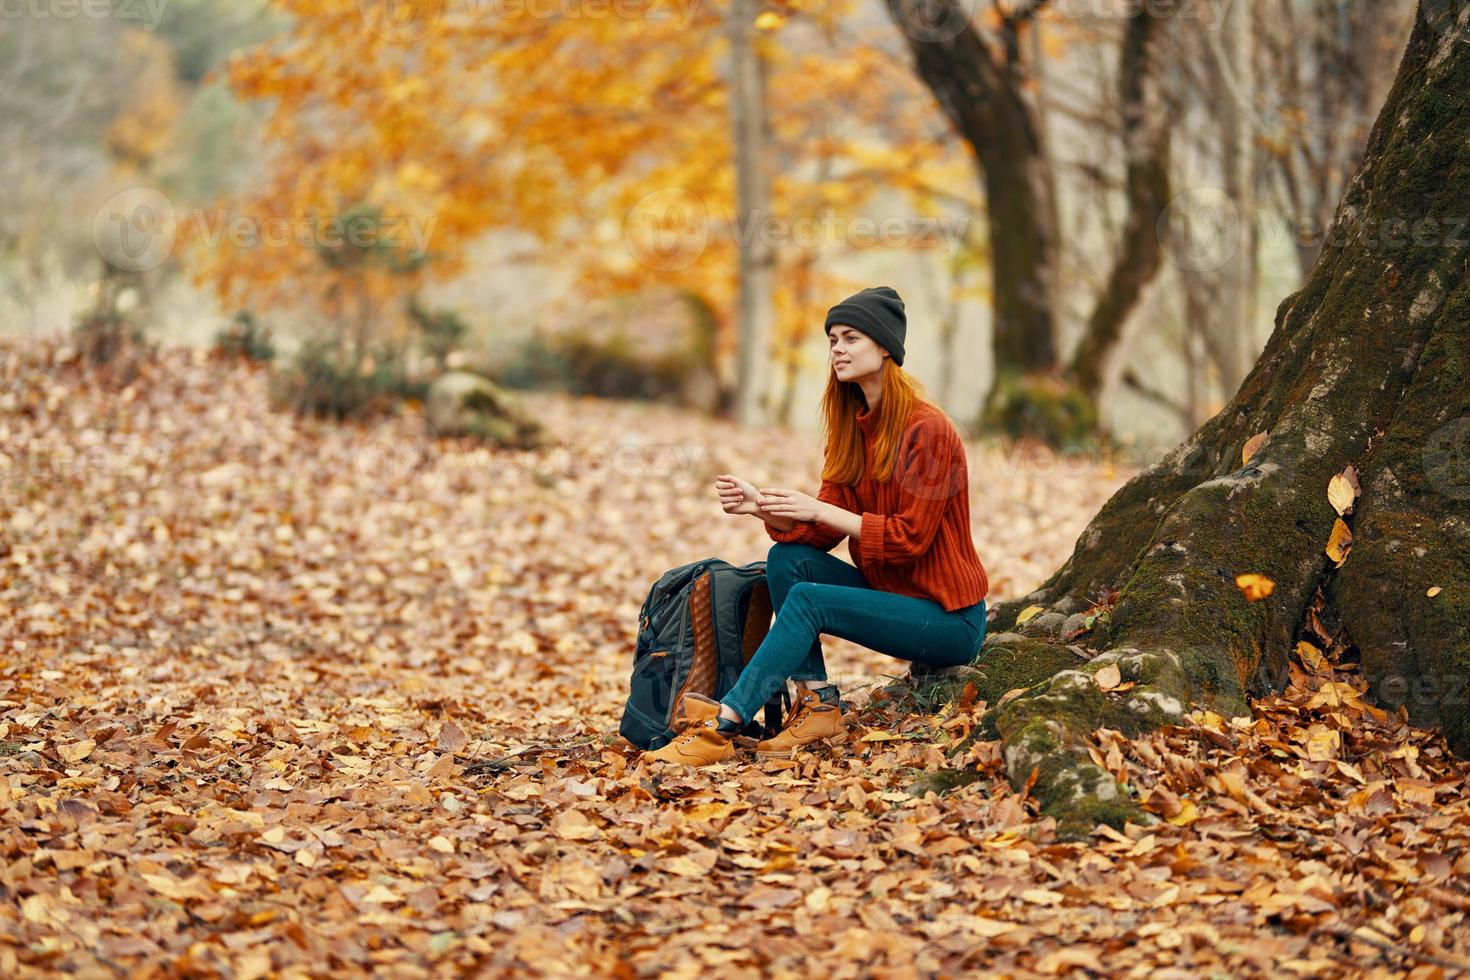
854,355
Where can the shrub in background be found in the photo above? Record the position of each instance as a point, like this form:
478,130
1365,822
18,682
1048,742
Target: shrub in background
245,338
322,380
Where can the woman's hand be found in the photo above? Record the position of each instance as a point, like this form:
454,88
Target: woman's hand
790,503
737,496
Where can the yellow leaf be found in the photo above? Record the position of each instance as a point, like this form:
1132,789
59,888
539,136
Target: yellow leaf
1340,493
1340,543
77,751
1028,612
1254,586
1310,655
1434,591
879,737
441,844
1334,695
1005,838
711,811
1323,744
382,895
769,21
1187,814
274,835
1109,677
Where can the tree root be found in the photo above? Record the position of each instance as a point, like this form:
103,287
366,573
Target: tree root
1045,730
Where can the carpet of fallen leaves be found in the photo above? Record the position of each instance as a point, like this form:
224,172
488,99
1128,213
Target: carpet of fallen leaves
286,697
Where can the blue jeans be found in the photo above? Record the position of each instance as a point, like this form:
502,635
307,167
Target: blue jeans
813,592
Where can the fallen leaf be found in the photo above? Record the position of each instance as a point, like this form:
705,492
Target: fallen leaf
1340,543
1341,493
452,738
76,751
574,825
1252,446
1254,586
1187,814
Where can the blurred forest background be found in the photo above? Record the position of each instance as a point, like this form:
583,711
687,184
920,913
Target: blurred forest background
290,686
1090,208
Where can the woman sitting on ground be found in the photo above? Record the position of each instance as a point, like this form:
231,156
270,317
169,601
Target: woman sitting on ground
895,483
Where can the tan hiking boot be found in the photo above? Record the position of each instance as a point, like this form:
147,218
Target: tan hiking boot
694,708
697,745
813,720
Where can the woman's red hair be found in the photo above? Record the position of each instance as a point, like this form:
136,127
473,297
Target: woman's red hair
840,404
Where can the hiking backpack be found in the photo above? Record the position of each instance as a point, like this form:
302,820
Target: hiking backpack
698,628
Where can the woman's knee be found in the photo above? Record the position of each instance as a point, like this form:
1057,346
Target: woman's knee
783,558
803,593
785,552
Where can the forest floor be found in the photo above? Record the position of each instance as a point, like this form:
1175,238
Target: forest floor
274,703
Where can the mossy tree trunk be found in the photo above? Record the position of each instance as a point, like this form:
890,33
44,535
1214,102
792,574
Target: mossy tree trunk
1368,365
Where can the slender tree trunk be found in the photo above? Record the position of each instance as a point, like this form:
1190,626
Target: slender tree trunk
756,311
1146,126
801,274
984,97
1368,365
1234,81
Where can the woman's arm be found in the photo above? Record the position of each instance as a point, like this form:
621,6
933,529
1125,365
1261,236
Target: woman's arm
845,521
818,529
775,520
931,472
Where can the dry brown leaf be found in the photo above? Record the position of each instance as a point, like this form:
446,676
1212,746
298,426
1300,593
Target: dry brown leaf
452,738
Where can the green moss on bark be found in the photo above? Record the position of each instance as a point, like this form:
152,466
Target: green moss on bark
1014,661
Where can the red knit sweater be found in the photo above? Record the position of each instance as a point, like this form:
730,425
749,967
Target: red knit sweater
916,526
